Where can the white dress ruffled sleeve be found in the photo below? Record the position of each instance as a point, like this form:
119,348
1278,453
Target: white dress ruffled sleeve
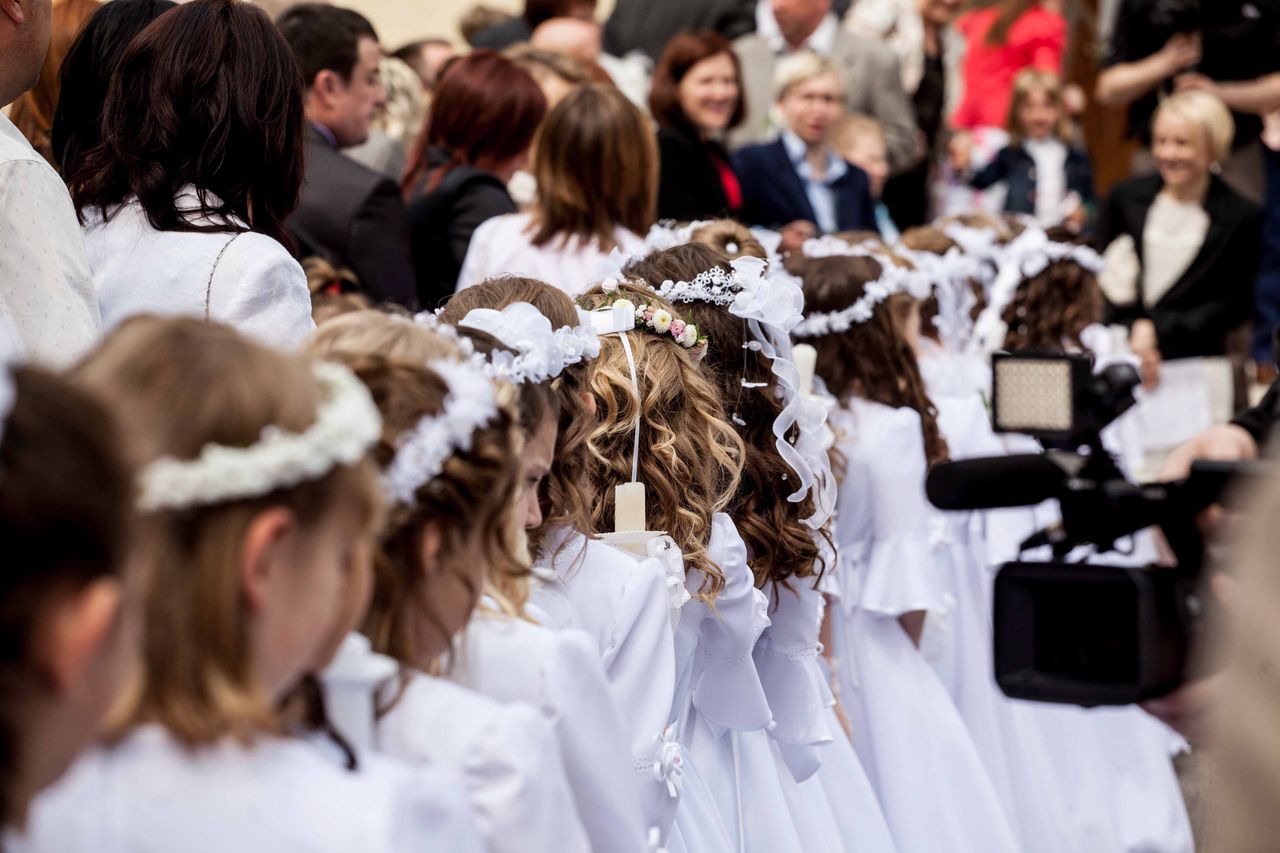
506,754
897,570
559,673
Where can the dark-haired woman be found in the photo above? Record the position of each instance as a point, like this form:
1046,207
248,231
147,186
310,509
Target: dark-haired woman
484,113
183,201
696,97
86,71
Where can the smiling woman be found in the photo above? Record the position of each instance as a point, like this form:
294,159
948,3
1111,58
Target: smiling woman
696,97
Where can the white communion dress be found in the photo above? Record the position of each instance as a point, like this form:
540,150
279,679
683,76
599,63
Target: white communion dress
622,604
931,782
506,755
723,725
558,672
149,793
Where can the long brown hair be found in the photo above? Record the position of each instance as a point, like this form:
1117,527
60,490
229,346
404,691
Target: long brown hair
692,457
32,113
781,545
209,94
180,384
596,163
683,51
871,360
58,534
567,500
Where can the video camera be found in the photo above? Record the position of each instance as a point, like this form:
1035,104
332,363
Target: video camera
1082,632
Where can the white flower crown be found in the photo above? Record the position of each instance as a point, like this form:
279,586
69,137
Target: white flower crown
421,453
347,424
541,354
1029,255
893,279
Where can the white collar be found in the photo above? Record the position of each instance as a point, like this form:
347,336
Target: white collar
822,41
797,152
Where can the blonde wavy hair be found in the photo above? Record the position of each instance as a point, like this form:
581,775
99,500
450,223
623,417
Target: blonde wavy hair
179,384
691,458
362,338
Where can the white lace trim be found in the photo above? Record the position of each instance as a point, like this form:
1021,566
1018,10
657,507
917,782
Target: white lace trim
347,424
893,279
421,453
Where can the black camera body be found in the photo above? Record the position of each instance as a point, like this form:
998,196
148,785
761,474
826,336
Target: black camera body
1084,632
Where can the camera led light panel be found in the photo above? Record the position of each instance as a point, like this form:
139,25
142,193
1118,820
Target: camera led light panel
1032,395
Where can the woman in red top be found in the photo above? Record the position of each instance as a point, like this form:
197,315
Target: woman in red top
1002,39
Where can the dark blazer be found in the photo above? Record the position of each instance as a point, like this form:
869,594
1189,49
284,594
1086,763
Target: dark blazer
773,192
689,185
442,221
353,217
647,25
1014,166
1215,294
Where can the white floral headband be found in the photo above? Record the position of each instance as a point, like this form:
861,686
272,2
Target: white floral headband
830,246
347,424
421,453
1029,255
541,354
893,279
950,275
771,302
662,323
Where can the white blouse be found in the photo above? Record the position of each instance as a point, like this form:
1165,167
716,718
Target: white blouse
246,280
559,673
507,755
502,245
1171,239
151,794
623,605
47,302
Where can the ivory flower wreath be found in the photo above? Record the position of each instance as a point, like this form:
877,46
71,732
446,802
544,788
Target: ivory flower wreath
347,424
893,279
660,322
541,354
421,453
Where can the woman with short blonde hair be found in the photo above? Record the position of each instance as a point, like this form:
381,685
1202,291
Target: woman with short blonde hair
596,165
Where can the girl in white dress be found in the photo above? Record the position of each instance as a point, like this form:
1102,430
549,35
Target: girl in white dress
895,591
260,504
596,166
451,466
69,557
579,581
660,426
780,508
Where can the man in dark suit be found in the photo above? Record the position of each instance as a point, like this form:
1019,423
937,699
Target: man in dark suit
349,215
798,184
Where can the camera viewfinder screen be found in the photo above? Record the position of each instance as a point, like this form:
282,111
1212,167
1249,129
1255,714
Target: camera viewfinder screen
1033,395
1086,631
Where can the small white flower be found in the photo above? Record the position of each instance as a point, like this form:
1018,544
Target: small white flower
690,336
661,321
609,285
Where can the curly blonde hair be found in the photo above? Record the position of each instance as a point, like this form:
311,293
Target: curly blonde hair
781,545
691,459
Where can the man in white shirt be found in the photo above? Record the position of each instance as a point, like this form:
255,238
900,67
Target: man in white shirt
46,293
869,69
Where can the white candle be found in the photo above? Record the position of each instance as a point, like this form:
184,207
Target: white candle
628,508
806,361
